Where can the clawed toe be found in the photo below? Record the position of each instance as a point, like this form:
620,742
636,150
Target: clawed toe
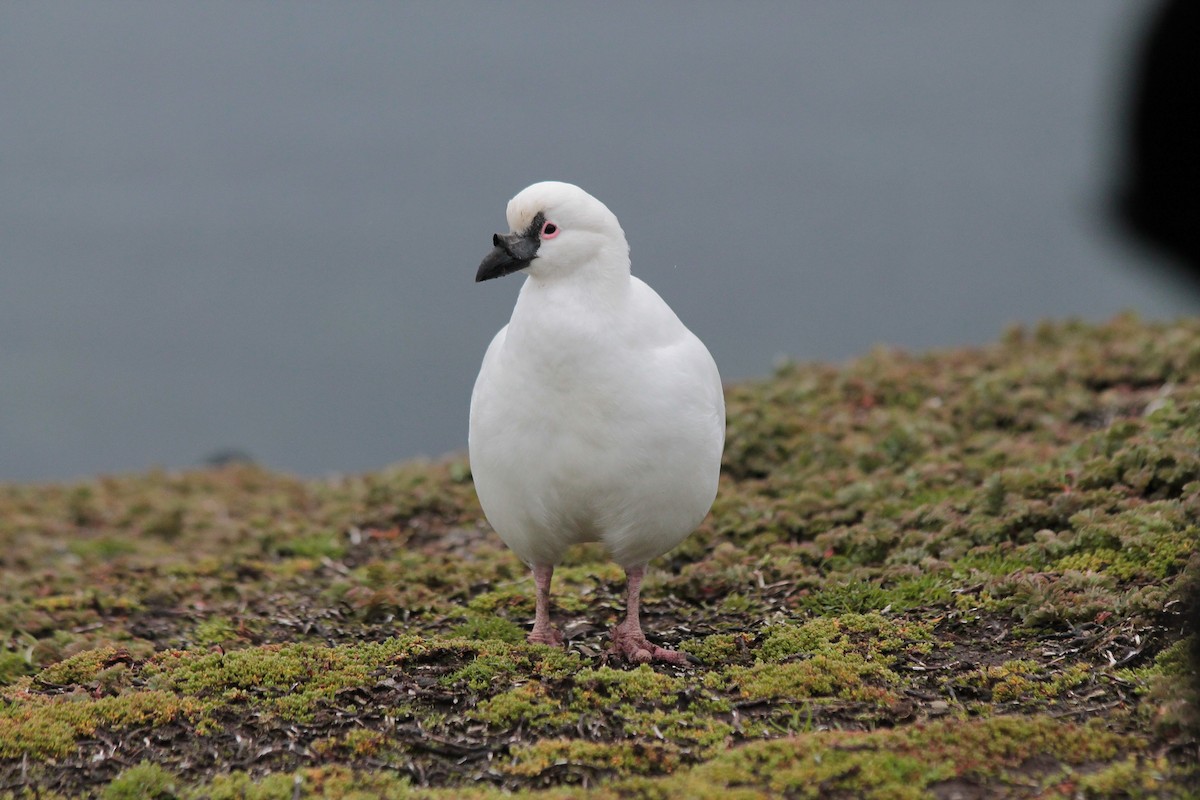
636,649
550,636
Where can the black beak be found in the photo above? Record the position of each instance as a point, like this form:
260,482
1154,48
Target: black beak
511,252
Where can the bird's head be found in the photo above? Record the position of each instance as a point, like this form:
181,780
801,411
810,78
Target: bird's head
556,229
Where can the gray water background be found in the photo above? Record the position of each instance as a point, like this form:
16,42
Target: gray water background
256,225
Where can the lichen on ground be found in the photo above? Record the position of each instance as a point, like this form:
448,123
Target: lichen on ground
958,574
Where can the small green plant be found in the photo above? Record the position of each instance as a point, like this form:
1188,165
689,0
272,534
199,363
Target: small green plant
145,781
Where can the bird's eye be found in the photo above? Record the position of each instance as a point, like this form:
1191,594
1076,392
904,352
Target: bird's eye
549,230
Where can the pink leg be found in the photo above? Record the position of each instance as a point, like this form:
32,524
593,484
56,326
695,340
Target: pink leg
543,632
628,639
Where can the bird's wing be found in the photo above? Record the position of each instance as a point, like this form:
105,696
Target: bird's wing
487,369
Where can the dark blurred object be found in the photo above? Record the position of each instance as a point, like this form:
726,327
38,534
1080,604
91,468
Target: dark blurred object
1160,197
1188,694
228,456
1191,627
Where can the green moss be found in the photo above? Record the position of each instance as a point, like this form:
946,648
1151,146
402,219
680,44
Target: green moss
146,781
317,545
280,786
80,668
13,666
354,744
1152,541
215,630
489,627
1133,777
696,727
102,548
719,648
529,705
512,599
850,677
896,539
871,635
552,663
620,757
291,679
38,726
486,670
642,684
493,663
1025,681
1005,754
855,597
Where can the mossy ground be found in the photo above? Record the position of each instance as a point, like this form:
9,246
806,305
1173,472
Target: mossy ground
951,575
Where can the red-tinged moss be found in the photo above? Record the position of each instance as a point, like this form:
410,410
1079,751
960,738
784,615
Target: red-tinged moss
903,538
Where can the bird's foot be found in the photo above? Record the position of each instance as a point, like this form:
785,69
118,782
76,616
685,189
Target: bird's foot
545,635
631,644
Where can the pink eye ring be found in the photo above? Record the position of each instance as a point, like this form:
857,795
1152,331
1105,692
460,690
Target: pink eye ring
549,230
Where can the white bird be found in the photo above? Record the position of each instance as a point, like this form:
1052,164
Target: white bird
596,416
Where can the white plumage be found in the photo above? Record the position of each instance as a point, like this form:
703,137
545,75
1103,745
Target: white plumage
596,416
